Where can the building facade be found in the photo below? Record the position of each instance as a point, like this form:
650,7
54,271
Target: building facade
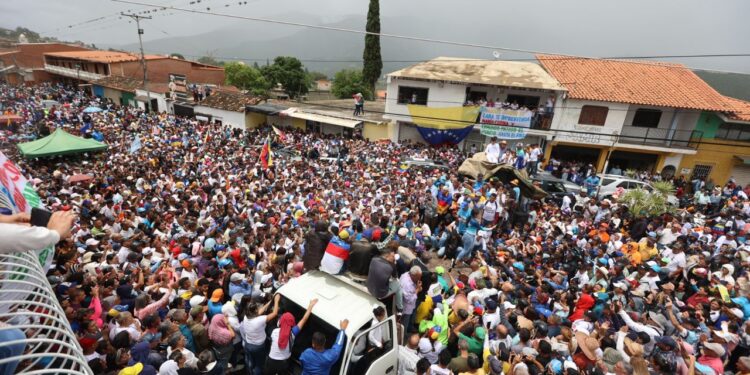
455,87
628,114
24,62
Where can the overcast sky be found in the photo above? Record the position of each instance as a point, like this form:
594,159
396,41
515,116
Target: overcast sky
579,27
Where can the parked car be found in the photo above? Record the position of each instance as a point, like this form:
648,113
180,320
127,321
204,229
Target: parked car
556,188
425,164
611,182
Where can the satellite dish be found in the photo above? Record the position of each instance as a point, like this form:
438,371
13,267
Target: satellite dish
496,54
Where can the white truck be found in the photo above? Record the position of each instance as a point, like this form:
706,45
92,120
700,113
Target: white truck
341,298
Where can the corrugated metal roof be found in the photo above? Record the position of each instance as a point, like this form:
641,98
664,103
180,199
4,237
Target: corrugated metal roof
485,72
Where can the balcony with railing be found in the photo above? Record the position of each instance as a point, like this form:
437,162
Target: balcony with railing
660,137
72,73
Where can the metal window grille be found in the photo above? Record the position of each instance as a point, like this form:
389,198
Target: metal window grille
701,171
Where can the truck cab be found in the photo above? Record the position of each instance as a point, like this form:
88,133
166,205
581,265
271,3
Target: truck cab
340,298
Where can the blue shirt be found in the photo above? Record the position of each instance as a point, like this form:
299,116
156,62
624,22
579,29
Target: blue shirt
320,363
242,288
214,308
189,341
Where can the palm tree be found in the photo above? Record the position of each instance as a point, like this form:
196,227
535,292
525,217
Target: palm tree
643,202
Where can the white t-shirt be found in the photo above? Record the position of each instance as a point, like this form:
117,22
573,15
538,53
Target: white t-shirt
429,349
492,152
254,330
437,370
277,353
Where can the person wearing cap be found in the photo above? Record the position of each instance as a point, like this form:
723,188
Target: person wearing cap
712,356
238,284
476,340
188,270
336,253
215,303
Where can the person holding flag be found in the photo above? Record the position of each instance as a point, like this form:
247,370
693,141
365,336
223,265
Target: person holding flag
266,155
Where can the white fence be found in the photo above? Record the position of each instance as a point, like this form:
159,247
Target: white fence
35,336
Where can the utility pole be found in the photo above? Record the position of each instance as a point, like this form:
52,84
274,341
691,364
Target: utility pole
137,19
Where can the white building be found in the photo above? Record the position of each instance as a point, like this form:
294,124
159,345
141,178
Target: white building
643,115
445,84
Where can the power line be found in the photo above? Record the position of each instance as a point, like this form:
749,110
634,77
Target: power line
363,32
236,58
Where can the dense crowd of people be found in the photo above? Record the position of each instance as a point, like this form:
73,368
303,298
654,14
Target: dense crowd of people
180,243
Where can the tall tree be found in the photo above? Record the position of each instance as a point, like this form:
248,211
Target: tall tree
290,73
373,62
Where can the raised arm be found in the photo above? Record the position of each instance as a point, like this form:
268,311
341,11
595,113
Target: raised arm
302,322
275,311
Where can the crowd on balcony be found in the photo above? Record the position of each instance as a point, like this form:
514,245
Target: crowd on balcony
179,246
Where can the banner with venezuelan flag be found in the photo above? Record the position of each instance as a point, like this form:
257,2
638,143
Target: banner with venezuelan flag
447,125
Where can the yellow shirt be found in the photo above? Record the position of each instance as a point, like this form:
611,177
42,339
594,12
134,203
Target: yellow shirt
646,252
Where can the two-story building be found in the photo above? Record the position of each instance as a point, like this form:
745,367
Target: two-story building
87,66
24,63
724,150
470,89
642,115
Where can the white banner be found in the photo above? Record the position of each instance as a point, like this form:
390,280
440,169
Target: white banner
502,132
500,116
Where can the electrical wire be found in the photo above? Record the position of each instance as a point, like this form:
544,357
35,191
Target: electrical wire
236,58
354,31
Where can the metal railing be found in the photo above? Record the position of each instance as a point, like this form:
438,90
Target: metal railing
660,137
35,335
73,73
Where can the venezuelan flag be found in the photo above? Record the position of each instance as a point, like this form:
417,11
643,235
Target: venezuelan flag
444,201
403,168
266,155
448,125
338,248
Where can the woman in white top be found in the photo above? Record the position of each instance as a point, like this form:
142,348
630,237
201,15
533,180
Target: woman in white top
282,340
177,343
253,332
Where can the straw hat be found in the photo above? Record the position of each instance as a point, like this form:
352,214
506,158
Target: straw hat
587,344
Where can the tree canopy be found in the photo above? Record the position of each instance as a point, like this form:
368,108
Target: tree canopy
246,78
349,82
290,73
209,60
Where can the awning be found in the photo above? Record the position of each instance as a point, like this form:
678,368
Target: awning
745,159
325,119
266,109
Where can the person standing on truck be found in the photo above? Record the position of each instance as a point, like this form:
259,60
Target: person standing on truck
317,360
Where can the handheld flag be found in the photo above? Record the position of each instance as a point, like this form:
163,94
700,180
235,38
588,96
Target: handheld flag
136,145
266,156
279,133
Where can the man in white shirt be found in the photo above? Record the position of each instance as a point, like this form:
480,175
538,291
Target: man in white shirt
408,356
533,162
15,236
669,234
375,337
492,151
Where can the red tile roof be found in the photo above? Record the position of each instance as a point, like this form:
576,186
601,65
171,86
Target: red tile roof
105,57
634,82
741,109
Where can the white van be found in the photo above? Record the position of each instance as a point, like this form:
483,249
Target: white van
340,298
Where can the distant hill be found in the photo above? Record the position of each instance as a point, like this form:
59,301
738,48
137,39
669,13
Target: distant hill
735,85
256,40
8,37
